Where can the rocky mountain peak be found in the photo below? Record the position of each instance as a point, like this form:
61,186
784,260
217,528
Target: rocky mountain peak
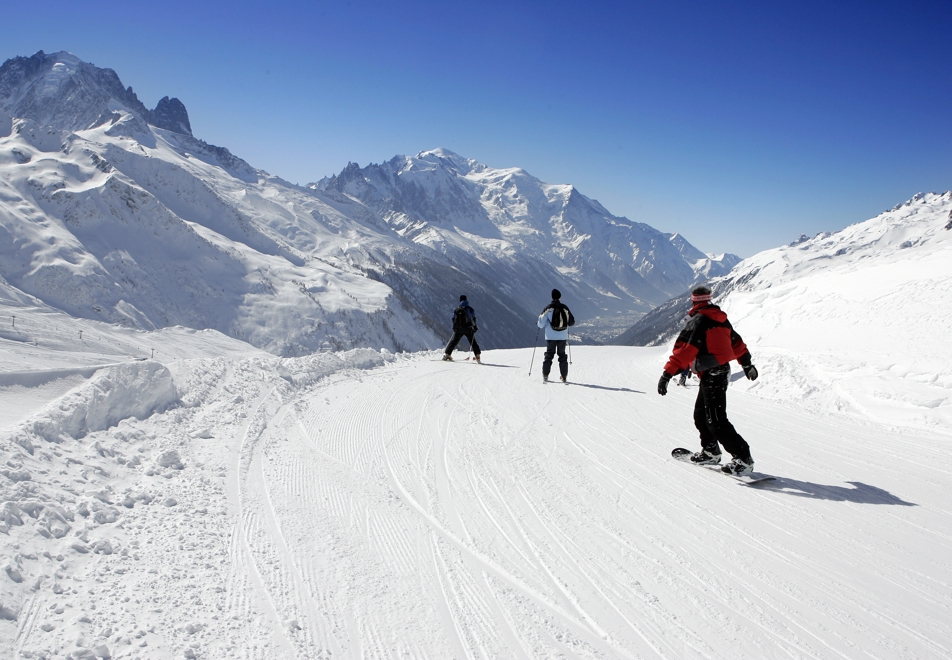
62,91
171,115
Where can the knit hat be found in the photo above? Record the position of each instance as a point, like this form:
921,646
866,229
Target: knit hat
701,294
462,298
556,294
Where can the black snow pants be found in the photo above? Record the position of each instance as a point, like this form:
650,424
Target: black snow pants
710,415
459,334
551,346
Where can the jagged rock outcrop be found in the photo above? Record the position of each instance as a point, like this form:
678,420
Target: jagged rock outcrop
61,91
171,115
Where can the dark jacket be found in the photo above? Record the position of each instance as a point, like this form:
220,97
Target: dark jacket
470,318
708,340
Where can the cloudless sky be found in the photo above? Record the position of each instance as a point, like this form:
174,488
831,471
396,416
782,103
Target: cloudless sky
740,125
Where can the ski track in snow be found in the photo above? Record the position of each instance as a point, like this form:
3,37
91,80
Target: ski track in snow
400,507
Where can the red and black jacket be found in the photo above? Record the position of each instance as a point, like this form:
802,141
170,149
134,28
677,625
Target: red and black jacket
708,340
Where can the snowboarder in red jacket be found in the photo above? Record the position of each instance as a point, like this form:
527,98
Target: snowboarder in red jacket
707,344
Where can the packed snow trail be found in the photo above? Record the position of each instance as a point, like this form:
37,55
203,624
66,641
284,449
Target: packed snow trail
367,505
441,510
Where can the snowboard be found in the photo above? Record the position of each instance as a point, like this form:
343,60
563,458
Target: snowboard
684,455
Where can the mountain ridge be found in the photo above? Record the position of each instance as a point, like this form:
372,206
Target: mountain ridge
69,83
437,193
907,230
121,214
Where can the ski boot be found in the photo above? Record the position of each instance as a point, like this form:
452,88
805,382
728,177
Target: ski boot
739,466
447,358
705,457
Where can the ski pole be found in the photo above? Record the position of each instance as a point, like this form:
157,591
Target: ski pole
568,342
534,344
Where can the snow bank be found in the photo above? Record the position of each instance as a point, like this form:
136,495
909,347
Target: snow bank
67,476
126,390
114,509
40,377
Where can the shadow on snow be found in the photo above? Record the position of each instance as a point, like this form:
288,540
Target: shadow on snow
860,493
603,387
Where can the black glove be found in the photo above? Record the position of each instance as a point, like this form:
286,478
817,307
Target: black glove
751,372
663,383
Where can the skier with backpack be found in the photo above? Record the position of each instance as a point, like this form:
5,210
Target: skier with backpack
464,325
556,318
708,343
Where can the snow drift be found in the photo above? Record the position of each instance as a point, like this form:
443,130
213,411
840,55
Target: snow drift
112,394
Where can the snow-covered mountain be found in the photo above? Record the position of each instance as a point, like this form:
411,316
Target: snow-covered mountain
112,211
107,216
507,225
868,300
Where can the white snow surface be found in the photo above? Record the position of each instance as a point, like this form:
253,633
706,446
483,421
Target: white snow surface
214,501
857,320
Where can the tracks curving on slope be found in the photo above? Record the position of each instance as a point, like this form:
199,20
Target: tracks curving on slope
434,510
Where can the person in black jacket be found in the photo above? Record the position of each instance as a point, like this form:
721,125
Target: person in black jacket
464,325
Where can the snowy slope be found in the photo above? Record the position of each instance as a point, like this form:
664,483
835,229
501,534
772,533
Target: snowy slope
366,504
857,320
854,320
105,228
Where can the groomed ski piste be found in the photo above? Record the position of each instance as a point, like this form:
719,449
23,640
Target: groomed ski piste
371,505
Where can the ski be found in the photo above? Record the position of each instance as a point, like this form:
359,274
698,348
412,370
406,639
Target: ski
684,455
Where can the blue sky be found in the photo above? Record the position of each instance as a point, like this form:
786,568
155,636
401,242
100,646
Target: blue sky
740,125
